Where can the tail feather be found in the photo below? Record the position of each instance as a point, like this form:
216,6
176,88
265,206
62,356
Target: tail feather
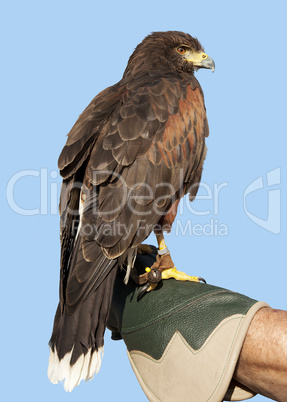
76,345
84,369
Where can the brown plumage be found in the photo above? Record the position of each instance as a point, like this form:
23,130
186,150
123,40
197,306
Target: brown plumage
132,154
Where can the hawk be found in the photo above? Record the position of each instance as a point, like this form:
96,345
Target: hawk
132,154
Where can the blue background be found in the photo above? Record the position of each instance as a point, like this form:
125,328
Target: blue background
56,56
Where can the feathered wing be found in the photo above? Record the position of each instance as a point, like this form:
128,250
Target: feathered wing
85,286
151,152
136,148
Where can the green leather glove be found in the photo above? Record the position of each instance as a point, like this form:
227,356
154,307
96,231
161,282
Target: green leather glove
183,338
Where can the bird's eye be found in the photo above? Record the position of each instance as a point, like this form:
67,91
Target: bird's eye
181,50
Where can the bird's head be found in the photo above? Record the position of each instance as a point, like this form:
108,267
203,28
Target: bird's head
169,51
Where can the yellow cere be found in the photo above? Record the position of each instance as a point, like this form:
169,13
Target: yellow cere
195,57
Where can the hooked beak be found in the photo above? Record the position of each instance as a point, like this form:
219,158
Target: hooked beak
200,60
206,63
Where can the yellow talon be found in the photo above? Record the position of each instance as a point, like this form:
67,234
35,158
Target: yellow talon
152,287
178,275
163,267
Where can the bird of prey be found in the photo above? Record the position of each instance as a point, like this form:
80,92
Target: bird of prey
132,154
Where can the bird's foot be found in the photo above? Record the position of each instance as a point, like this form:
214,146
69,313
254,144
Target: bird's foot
168,270
164,268
180,276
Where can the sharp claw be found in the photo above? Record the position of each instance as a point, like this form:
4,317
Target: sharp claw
201,280
143,291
